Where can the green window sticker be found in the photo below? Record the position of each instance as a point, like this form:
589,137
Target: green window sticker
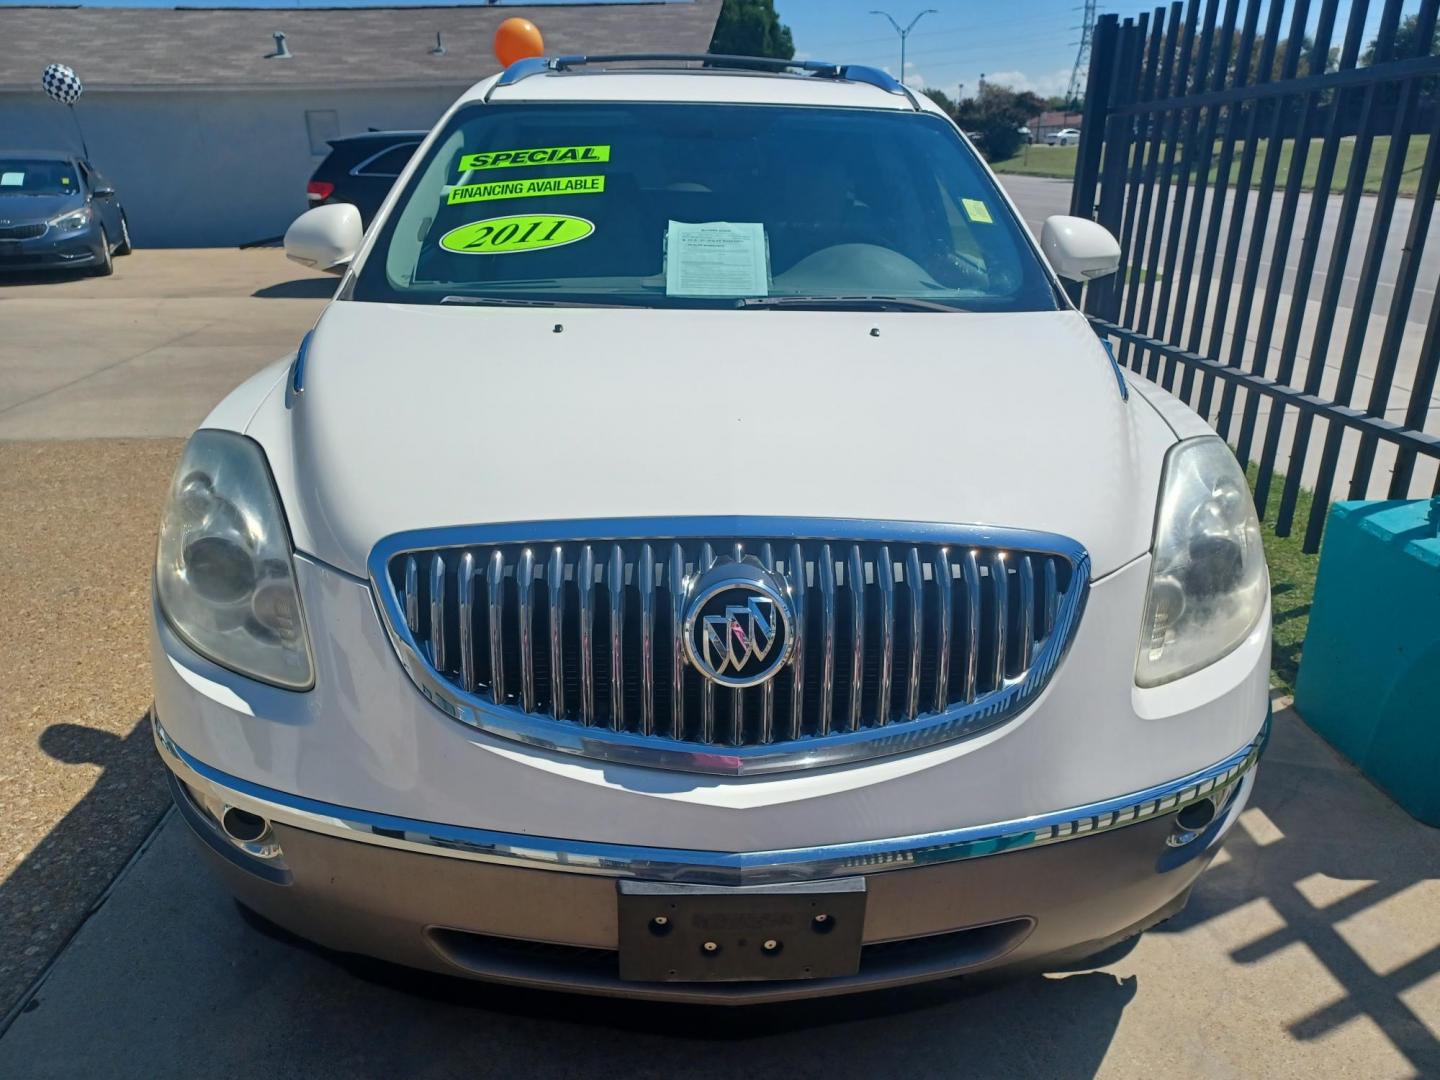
977,211
516,232
524,189
539,155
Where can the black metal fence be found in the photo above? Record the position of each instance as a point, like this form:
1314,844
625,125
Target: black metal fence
1273,193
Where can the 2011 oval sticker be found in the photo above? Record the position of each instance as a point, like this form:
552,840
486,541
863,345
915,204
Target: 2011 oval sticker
516,232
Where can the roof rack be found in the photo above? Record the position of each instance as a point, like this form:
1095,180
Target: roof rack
821,69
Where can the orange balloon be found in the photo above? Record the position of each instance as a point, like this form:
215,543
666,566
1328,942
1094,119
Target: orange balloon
517,38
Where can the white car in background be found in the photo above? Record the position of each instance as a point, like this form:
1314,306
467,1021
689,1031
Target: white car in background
701,553
1063,137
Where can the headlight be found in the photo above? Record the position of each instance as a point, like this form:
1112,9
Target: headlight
223,572
1208,580
75,219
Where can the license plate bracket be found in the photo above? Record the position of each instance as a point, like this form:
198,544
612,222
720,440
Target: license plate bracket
706,933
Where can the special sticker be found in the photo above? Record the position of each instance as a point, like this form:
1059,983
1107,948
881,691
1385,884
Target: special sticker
524,189
516,232
540,155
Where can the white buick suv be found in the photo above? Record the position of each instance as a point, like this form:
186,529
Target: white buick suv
702,553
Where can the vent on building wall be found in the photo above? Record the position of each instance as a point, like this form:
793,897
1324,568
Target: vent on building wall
282,51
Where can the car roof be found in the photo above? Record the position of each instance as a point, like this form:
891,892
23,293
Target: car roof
377,136
666,78
41,155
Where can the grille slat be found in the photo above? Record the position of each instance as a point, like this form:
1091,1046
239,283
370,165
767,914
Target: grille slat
944,594
524,592
495,621
795,574
1000,624
855,582
585,584
886,637
707,688
1026,575
676,583
645,583
437,611
1052,600
555,587
615,585
412,594
970,569
465,601
825,582
915,579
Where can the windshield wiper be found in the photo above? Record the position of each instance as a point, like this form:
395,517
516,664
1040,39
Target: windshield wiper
517,301
848,303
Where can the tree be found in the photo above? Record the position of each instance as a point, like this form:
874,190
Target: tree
751,28
940,98
1407,42
996,116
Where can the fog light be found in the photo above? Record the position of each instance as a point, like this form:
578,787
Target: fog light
1191,822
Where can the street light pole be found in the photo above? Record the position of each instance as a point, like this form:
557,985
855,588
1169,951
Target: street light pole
905,33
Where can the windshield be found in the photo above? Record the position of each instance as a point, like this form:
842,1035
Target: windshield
703,206
19,176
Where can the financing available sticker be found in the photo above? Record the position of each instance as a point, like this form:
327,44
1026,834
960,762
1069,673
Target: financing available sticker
540,155
516,232
524,189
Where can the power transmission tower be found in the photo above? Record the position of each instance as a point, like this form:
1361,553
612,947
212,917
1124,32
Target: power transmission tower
1082,58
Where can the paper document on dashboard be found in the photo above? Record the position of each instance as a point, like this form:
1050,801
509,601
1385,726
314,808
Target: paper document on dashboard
716,258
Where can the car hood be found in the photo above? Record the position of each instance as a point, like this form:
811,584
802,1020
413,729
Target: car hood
29,209
418,416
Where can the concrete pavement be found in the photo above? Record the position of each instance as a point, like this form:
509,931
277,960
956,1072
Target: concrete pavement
1310,949
146,352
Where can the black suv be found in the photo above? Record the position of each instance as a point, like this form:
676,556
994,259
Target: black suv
360,169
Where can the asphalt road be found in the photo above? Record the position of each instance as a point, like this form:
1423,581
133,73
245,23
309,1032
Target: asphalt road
1038,198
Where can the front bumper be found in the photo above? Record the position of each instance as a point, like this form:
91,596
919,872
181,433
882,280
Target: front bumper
54,250
543,912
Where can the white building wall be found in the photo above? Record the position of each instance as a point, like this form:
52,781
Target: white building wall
200,168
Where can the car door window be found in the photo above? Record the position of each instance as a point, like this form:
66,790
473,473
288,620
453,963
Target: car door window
388,163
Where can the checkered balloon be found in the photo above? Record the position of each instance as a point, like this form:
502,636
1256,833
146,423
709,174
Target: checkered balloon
62,84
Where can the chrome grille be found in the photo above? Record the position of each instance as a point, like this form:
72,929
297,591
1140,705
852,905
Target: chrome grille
568,637
22,232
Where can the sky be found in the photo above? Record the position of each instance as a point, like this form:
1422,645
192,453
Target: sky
1023,44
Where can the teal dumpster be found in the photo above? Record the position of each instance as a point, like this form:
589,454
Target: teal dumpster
1369,677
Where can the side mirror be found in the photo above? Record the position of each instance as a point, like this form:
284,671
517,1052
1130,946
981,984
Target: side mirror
326,237
103,192
1078,249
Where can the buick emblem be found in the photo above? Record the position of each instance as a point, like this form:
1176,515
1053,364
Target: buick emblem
738,623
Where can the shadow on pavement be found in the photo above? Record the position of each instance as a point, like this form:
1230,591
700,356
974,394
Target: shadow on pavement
42,277
1348,878
311,288
49,894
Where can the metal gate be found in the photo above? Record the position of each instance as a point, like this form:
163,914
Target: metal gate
1274,274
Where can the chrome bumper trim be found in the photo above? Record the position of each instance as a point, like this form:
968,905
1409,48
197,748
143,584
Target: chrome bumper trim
707,867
